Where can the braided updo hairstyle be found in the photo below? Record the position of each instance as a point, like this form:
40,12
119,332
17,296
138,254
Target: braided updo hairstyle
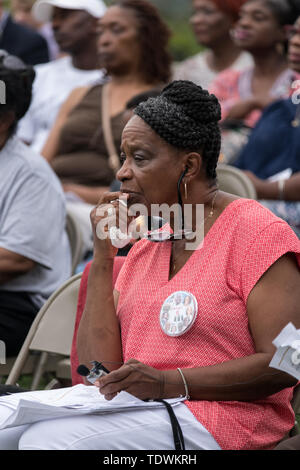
18,92
186,116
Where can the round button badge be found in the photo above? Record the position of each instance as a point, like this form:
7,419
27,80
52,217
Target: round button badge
178,313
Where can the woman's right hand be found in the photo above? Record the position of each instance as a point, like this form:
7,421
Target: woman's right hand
108,214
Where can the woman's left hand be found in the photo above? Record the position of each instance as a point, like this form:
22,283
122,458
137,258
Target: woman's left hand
138,379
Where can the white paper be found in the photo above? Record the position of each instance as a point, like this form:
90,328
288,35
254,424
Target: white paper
30,407
287,356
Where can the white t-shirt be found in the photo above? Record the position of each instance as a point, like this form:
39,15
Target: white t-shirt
196,68
32,220
53,84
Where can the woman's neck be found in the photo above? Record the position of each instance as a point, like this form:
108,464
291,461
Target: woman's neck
269,63
222,55
123,89
130,80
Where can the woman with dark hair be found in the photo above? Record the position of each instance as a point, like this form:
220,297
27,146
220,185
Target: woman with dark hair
212,21
83,146
132,47
260,30
216,365
34,248
272,156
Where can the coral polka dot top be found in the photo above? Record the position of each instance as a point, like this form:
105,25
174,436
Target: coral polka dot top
243,243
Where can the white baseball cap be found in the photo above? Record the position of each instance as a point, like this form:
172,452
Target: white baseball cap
43,9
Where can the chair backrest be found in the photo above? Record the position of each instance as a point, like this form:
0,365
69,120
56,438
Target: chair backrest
75,238
53,328
234,181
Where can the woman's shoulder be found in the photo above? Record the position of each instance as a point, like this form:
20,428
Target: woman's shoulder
247,219
85,91
73,99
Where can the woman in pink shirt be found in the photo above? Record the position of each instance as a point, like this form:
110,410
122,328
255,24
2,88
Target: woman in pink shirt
241,280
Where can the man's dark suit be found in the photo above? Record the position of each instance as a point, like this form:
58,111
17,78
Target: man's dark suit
25,43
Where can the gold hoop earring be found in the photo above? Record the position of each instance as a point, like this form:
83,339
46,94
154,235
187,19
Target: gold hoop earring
185,191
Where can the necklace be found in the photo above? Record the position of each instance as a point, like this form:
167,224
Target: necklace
209,216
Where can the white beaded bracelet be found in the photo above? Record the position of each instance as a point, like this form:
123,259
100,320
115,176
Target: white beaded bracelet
184,383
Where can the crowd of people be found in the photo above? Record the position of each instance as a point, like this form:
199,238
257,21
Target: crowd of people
96,111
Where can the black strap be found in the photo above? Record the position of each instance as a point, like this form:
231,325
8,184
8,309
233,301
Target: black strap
10,389
176,428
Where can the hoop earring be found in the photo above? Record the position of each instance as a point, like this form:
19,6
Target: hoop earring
280,48
185,191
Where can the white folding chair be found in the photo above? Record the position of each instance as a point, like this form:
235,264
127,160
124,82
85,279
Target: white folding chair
234,181
76,243
75,238
51,333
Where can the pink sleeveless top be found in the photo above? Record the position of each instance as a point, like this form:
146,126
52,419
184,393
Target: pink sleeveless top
243,243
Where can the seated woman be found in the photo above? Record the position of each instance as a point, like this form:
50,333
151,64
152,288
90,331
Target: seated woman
260,30
212,21
218,359
83,146
244,94
272,156
132,48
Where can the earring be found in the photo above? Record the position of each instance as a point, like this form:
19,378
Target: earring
185,191
280,48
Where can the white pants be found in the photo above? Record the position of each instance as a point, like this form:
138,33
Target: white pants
130,430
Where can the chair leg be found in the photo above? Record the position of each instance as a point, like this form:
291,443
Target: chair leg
39,371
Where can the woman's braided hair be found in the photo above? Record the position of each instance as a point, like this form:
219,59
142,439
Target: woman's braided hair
186,116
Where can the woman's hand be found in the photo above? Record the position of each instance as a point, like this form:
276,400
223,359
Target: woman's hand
107,214
140,380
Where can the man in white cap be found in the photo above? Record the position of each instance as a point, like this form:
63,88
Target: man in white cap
74,23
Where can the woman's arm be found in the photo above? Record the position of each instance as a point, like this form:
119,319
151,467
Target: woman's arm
270,190
49,150
13,265
241,109
99,333
272,303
